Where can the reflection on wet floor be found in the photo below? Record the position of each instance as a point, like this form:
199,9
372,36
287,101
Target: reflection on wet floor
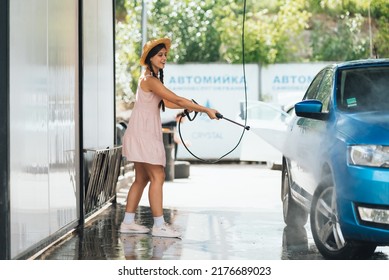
144,247
295,245
207,235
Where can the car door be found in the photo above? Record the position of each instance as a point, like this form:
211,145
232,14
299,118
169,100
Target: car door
307,137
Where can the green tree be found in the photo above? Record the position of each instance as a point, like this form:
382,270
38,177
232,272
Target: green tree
127,42
190,25
339,41
275,31
340,29
380,12
290,22
270,34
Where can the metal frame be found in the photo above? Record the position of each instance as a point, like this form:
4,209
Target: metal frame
103,176
81,189
114,68
5,230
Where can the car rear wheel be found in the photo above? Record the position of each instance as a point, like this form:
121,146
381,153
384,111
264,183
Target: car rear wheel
326,229
294,213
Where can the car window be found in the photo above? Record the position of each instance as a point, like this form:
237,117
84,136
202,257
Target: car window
363,89
314,86
324,93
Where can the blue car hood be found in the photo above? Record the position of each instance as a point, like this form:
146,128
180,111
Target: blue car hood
364,128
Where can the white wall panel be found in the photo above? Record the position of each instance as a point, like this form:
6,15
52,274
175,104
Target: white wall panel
43,70
98,96
44,97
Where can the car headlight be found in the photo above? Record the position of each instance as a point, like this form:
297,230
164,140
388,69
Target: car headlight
369,155
374,215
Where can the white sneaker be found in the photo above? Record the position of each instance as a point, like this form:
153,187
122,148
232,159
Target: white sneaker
165,231
133,228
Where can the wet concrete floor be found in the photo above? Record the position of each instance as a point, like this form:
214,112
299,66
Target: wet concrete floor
224,212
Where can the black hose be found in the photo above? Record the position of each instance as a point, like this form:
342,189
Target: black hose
220,116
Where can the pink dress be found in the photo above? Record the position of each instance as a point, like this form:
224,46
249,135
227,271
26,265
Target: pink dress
142,141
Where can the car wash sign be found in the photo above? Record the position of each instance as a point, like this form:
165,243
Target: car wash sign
286,83
218,86
211,83
212,79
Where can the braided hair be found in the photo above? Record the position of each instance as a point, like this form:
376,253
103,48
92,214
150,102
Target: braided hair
151,53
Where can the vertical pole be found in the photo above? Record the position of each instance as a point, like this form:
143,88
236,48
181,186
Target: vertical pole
144,22
80,119
370,35
5,230
114,68
144,26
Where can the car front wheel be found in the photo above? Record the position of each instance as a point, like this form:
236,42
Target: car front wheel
326,229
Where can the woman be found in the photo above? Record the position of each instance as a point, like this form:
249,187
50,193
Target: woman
143,143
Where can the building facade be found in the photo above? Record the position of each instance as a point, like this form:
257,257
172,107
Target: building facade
57,97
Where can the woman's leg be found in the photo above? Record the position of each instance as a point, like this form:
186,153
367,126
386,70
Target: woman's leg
137,187
134,195
156,174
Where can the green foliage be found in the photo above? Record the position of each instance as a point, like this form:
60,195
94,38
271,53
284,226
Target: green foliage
290,22
380,12
339,42
120,10
381,42
127,51
340,31
275,31
190,25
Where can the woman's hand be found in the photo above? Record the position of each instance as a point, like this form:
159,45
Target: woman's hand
212,113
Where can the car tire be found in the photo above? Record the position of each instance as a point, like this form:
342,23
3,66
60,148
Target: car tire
181,169
326,229
294,214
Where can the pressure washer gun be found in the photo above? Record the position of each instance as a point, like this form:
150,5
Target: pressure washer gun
218,115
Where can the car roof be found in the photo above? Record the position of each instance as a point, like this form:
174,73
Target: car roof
360,63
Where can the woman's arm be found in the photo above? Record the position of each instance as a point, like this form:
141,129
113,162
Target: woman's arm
173,100
171,105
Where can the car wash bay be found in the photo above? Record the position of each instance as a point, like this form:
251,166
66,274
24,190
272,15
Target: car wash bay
224,211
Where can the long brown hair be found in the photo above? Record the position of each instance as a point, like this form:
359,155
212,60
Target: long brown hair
152,53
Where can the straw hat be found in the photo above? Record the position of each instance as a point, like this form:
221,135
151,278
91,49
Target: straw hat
150,45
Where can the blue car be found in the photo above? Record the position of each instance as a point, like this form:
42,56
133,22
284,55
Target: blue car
335,167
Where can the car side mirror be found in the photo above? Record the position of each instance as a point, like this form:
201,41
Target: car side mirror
310,109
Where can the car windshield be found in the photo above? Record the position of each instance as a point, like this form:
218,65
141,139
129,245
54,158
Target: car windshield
363,89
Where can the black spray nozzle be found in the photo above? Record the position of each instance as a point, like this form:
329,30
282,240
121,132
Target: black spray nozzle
220,116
